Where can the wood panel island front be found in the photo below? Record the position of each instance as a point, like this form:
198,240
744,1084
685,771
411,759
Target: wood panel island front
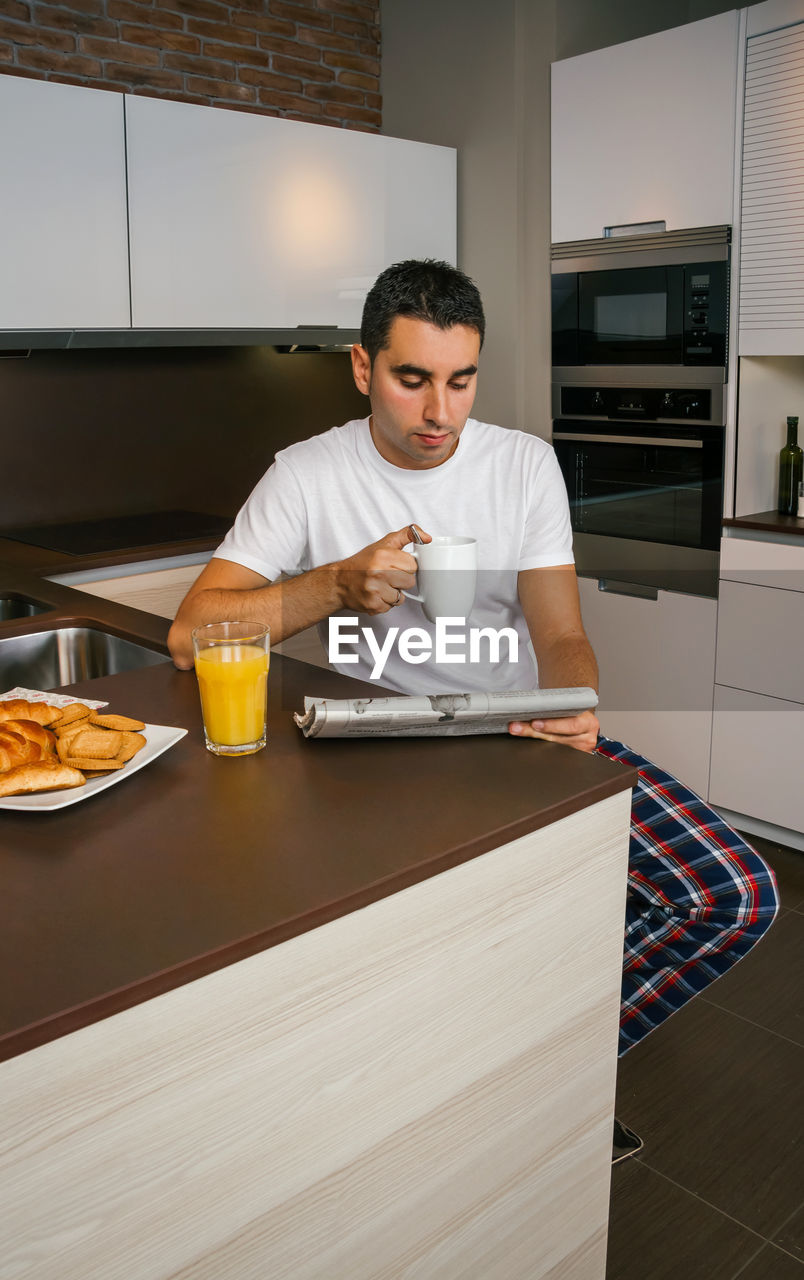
341,1009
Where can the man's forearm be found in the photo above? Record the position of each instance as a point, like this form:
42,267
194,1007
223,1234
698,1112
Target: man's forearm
285,607
568,663
370,581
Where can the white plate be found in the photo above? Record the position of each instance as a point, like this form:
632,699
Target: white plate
158,737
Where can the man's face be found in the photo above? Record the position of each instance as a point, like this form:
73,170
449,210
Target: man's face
422,388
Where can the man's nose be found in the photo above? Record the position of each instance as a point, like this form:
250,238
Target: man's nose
436,406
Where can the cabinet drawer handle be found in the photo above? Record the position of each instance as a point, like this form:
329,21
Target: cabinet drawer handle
634,229
637,589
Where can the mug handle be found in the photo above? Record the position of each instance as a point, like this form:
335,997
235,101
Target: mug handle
409,594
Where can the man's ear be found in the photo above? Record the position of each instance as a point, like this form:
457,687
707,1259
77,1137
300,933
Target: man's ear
361,368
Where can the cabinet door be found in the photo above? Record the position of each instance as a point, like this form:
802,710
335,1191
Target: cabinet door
772,236
759,641
62,207
241,220
644,131
657,674
756,757
770,15
159,591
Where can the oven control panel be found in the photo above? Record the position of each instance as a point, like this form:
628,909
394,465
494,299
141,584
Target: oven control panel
635,404
706,302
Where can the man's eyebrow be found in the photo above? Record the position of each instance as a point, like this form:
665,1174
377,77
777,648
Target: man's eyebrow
415,371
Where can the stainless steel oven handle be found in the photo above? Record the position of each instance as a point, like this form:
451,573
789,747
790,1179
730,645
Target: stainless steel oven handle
607,439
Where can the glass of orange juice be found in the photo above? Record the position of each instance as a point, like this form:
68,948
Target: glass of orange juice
231,662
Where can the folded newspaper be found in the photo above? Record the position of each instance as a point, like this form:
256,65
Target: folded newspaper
437,714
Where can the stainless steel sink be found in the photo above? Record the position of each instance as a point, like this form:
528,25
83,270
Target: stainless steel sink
19,607
63,655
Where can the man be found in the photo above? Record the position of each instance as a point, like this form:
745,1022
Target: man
318,513
312,542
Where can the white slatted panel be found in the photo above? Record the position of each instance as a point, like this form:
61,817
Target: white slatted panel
772,259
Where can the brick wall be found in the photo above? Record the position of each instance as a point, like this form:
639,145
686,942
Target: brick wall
315,60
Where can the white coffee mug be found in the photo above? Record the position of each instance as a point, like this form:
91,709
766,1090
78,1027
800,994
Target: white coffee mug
446,578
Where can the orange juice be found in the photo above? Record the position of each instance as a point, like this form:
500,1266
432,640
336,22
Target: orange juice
233,683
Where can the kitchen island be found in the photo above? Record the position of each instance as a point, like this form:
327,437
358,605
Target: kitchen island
312,1013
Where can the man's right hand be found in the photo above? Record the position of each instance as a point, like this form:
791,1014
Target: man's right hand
371,580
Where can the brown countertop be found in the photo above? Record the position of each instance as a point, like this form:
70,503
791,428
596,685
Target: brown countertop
196,862
38,560
768,522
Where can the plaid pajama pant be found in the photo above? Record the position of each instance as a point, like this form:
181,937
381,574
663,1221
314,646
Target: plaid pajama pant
698,898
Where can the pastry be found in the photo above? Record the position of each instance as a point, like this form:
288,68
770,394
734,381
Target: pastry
21,709
42,775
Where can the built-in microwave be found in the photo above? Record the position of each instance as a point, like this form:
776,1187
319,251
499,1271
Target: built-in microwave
660,299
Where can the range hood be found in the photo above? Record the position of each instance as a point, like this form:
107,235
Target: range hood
303,338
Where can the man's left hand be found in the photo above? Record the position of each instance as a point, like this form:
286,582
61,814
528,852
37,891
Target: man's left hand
573,731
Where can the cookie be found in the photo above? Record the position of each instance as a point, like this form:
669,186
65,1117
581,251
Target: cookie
75,711
132,743
91,765
97,744
116,722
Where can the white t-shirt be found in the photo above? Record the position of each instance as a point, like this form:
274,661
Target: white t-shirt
326,498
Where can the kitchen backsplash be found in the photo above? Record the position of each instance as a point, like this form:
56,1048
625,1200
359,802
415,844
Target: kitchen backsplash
314,60
102,433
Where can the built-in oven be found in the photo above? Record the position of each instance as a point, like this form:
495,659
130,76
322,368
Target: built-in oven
642,300
643,465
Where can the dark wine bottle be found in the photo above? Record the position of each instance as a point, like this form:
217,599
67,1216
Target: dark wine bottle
791,471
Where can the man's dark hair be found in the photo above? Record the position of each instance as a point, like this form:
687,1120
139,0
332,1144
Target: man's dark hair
424,290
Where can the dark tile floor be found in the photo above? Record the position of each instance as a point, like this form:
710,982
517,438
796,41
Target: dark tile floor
717,1095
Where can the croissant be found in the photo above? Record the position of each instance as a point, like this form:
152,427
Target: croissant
16,749
21,709
48,774
31,730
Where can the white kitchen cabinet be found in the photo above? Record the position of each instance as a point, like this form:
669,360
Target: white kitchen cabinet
155,586
758,732
644,131
772,219
62,207
760,634
757,756
241,220
763,562
657,672
770,15
159,591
